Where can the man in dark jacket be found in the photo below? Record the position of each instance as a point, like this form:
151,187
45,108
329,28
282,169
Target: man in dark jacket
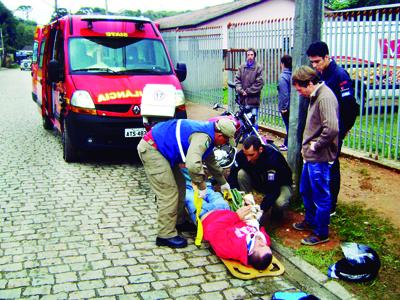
339,81
264,169
249,82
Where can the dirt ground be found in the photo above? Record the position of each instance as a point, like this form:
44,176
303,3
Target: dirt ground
373,186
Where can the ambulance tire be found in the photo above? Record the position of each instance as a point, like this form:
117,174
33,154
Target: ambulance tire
47,124
70,153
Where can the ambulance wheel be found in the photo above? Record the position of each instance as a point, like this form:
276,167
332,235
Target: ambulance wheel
47,124
70,153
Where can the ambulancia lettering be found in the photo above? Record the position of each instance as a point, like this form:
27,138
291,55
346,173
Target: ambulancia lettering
117,34
118,95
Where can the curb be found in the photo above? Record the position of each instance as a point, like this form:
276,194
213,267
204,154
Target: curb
309,277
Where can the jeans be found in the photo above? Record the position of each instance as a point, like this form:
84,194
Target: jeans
314,188
213,201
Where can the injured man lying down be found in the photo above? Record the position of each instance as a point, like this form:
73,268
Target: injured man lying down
232,235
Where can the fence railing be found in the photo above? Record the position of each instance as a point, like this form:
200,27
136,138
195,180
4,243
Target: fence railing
366,44
201,50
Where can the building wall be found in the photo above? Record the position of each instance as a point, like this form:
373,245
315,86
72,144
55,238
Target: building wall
272,9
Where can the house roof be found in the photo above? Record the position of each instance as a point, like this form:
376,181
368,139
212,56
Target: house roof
198,17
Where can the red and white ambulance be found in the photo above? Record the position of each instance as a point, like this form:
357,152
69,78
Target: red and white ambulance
90,74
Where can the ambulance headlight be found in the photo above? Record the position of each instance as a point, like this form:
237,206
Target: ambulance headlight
82,99
179,98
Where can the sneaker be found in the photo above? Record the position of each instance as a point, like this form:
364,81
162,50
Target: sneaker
314,239
333,213
283,147
302,226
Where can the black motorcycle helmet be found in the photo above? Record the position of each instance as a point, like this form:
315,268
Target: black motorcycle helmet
361,263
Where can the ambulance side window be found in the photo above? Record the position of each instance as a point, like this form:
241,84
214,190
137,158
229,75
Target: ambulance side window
58,50
42,46
35,51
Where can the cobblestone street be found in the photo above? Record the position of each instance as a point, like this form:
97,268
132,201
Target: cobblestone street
87,230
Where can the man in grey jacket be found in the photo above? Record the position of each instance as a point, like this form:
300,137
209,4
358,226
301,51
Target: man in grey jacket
284,95
319,150
249,83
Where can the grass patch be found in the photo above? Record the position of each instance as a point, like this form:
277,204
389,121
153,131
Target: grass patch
225,96
325,258
354,223
375,133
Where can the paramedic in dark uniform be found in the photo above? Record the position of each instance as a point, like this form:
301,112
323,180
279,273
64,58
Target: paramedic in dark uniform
339,81
163,149
264,169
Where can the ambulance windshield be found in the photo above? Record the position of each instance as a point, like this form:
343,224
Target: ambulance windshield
117,55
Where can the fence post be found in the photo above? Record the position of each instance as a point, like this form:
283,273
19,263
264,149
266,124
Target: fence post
307,29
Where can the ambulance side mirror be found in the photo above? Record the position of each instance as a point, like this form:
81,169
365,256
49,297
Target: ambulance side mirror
181,71
54,71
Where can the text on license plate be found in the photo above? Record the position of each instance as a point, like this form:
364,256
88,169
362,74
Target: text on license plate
134,132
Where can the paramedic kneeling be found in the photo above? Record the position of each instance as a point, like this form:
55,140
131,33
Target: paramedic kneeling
232,237
163,149
264,169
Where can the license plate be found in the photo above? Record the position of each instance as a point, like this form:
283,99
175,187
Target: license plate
134,132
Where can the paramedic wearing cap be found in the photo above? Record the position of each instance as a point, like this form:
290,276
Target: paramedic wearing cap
161,151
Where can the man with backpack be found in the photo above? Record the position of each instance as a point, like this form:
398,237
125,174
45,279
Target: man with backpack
339,81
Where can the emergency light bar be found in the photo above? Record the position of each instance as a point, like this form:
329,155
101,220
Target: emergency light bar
139,21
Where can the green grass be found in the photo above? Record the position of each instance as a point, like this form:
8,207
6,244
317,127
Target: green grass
360,137
226,96
354,223
269,90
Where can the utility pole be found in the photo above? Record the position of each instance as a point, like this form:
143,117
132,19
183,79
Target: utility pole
2,47
307,29
106,7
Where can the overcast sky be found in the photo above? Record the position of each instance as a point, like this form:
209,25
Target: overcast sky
42,9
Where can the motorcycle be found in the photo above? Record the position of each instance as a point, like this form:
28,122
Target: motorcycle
245,126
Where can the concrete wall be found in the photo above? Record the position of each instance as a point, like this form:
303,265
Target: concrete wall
272,9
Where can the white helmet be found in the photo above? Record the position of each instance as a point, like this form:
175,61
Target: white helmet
225,155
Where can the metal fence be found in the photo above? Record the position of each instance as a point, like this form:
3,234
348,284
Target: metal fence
366,43
201,50
271,39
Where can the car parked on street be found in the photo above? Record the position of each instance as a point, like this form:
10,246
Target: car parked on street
26,64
